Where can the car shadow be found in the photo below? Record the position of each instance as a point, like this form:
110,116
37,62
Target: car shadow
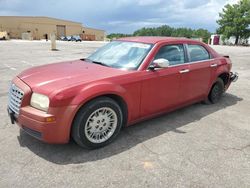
129,137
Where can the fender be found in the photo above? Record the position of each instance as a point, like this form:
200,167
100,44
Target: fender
87,93
102,88
78,94
96,89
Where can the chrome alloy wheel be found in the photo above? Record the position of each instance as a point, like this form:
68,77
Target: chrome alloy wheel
101,125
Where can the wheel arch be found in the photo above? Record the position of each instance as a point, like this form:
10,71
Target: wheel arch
120,101
225,77
102,89
117,98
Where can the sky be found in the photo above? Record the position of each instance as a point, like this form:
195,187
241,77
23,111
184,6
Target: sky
122,16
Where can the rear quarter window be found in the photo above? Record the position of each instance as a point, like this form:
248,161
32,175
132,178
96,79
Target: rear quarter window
198,53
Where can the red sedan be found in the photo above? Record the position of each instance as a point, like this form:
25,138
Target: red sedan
124,82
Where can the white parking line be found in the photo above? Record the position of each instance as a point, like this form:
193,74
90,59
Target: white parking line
28,63
12,68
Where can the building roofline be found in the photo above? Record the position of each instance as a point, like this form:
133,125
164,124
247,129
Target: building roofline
39,17
51,18
93,28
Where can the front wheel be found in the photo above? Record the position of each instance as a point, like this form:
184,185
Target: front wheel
97,123
216,92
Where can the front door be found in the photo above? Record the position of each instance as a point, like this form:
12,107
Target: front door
161,88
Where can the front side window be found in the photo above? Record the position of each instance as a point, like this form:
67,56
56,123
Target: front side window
173,53
121,54
198,53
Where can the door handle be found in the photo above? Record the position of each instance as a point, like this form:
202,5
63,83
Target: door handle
184,71
213,65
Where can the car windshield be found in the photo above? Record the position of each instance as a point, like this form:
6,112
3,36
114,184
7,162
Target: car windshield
121,54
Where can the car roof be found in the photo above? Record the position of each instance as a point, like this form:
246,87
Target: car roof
154,40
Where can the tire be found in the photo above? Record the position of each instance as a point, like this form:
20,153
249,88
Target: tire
217,91
97,123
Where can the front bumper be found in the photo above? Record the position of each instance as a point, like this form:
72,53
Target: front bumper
51,127
54,129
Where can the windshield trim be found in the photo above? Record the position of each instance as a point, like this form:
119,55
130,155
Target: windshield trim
142,61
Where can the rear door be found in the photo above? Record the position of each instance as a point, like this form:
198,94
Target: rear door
196,80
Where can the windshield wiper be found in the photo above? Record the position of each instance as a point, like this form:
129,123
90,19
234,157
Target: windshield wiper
100,63
96,62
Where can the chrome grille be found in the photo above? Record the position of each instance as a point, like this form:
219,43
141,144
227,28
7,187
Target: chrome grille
15,98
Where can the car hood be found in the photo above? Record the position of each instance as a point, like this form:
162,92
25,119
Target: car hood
48,78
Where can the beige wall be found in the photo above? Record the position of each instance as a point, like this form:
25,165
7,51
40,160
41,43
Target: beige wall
38,26
99,34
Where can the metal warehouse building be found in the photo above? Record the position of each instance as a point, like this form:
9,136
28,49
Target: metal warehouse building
38,27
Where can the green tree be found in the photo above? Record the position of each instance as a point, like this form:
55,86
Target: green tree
166,30
182,32
202,33
117,35
235,20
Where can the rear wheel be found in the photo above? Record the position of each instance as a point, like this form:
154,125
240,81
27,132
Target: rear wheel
216,91
97,123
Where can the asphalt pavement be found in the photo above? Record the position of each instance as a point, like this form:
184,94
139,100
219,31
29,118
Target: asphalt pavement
197,146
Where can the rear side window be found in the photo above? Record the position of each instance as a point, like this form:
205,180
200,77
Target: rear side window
173,53
198,53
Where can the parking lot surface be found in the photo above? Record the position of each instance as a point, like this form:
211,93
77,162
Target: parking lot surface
197,146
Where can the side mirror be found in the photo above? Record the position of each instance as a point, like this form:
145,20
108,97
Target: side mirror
159,63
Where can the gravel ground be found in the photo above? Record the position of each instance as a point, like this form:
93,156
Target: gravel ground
197,146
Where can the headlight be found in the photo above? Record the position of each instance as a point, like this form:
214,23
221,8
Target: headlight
39,101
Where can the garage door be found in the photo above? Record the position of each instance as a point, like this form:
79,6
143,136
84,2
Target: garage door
61,30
